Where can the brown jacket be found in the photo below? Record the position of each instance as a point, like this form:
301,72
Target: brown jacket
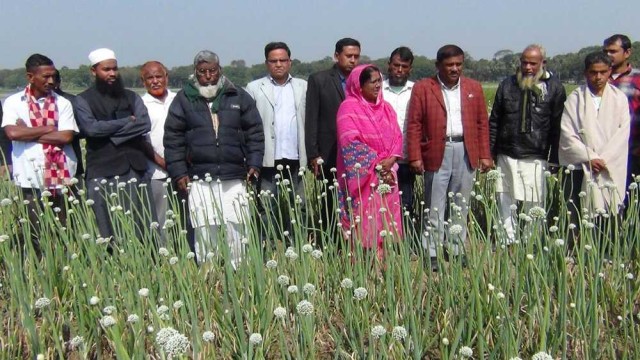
427,123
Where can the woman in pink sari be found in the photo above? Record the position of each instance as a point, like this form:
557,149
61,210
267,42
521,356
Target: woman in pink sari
369,143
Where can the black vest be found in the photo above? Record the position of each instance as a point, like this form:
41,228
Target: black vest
75,143
104,159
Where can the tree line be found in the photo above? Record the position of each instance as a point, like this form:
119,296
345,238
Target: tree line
569,67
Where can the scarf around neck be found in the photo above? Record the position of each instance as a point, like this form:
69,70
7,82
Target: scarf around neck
56,171
193,94
531,97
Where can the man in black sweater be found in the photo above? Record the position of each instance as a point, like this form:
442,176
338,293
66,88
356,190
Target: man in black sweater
113,120
57,81
5,157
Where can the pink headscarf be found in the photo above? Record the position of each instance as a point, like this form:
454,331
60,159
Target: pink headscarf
354,91
381,115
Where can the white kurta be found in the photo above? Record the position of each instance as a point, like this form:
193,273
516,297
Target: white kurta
587,134
158,110
523,179
216,203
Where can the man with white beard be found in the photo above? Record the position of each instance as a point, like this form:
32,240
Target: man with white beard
214,141
524,128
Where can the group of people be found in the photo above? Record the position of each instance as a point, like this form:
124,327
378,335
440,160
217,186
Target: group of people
367,135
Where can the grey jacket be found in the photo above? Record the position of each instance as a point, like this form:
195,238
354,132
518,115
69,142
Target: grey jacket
262,92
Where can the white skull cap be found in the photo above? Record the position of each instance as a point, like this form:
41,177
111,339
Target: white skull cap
102,54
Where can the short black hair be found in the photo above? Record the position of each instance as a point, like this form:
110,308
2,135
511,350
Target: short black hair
365,75
625,42
37,60
404,53
346,42
275,46
597,57
448,51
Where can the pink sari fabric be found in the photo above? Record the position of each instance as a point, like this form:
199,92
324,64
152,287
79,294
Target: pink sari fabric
367,134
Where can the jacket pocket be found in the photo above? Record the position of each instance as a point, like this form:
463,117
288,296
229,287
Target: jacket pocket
512,106
425,146
243,143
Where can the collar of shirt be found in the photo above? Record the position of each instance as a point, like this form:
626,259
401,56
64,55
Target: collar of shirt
150,98
445,87
275,83
40,100
343,81
407,86
628,71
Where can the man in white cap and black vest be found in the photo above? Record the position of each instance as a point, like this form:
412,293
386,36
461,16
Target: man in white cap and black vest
114,121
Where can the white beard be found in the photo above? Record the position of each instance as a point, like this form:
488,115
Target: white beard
208,91
528,82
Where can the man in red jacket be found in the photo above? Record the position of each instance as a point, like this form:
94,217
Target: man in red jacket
448,138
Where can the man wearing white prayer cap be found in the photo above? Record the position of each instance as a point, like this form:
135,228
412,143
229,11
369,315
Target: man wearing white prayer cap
101,54
114,121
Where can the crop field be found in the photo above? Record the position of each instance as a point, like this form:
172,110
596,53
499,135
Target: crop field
68,293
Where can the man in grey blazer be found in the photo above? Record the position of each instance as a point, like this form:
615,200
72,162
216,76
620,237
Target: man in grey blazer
280,99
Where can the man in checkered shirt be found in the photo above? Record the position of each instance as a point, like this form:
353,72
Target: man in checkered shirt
627,79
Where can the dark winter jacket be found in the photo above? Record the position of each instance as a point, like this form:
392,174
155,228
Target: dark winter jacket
536,135
193,148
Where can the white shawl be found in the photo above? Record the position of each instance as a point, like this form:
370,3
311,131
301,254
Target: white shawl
587,134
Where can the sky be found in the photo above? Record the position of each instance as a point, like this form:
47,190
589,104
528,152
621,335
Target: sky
174,31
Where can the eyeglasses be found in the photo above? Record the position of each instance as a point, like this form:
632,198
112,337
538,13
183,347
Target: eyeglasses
275,61
212,72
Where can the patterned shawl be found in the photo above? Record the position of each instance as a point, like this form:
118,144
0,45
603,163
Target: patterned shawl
56,171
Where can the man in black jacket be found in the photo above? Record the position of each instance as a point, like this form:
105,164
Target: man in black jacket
57,82
524,128
114,120
325,93
5,156
214,141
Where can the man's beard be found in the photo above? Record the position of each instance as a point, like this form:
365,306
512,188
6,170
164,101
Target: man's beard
396,81
529,82
207,91
114,89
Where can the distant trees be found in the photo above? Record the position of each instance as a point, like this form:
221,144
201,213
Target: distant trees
502,53
568,67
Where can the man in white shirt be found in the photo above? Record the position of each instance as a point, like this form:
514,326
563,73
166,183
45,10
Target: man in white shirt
397,92
280,99
158,98
41,126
